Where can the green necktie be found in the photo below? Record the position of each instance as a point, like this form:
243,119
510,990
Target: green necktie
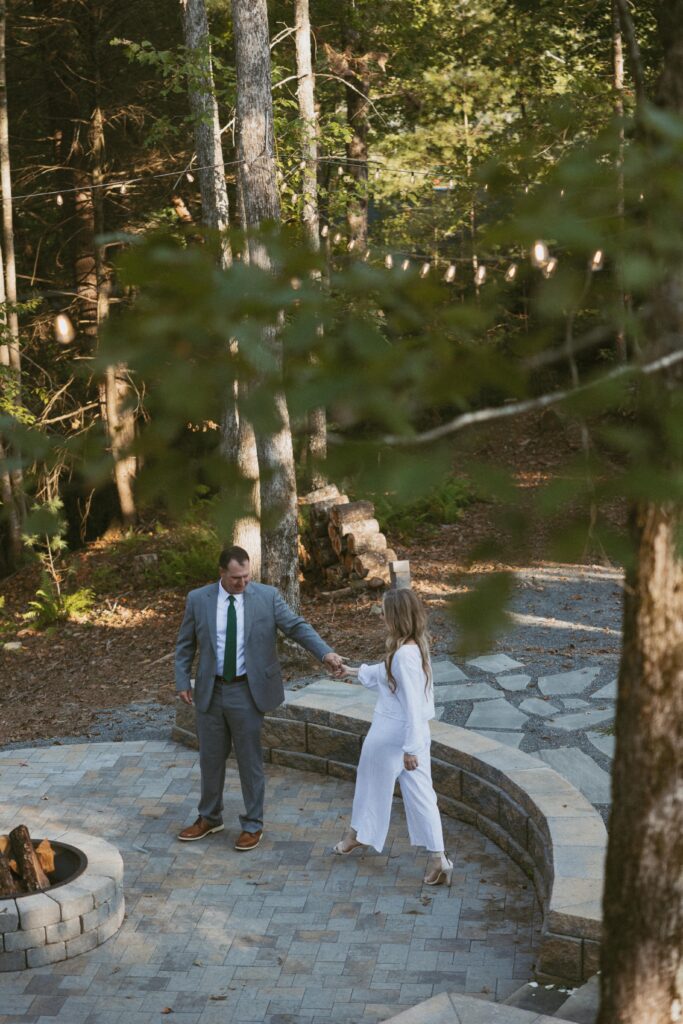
230,661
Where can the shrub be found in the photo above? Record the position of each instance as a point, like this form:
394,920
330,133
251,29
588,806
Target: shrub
50,606
406,519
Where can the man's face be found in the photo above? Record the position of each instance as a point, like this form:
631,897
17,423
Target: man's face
234,579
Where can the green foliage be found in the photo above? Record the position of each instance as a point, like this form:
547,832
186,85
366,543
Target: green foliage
51,605
190,561
407,519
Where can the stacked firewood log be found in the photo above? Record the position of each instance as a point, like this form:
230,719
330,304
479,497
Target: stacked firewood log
23,866
344,542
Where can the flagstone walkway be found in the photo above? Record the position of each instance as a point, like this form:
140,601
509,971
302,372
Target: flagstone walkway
549,686
287,933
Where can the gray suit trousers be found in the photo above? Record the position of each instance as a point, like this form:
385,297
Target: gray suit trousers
231,720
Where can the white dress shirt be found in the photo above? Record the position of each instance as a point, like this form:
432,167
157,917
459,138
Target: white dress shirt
221,627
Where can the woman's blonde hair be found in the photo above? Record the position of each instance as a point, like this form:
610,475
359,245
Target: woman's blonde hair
406,619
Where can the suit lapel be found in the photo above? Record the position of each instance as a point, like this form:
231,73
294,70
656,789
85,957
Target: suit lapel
248,612
211,611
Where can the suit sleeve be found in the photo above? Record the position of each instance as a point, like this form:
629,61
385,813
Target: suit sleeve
185,648
410,692
296,628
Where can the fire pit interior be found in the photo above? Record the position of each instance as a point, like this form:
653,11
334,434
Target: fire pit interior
36,865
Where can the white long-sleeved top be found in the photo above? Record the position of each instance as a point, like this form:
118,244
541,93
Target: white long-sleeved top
409,702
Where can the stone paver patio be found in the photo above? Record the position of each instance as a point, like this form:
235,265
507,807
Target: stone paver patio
287,933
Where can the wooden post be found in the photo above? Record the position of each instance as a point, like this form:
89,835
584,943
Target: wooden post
399,571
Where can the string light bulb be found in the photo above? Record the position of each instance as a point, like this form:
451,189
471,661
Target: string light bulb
412,177
337,237
123,189
302,165
351,246
64,329
405,265
377,175
388,261
324,231
189,176
550,267
480,275
598,260
451,184
449,276
424,269
340,171
511,272
60,200
366,255
296,283
540,254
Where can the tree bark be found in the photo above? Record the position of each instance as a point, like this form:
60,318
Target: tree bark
316,441
256,152
357,111
207,130
618,93
643,915
13,480
642,953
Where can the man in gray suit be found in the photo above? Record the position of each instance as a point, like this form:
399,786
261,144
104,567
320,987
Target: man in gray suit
235,622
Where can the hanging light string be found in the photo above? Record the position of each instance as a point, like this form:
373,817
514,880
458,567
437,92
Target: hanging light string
444,180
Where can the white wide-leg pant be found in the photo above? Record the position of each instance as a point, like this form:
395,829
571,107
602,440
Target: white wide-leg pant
380,765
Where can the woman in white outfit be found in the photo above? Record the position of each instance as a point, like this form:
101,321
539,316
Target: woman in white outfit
398,743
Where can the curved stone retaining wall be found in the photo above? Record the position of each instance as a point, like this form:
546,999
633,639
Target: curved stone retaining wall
538,818
73,918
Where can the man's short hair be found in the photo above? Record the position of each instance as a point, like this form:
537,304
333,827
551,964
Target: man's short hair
233,554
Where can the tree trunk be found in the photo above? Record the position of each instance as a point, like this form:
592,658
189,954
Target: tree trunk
642,975
119,409
643,915
357,110
238,441
256,152
618,92
207,131
238,445
7,219
316,441
13,496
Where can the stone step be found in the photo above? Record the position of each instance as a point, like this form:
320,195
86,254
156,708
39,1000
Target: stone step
537,998
451,1008
583,1004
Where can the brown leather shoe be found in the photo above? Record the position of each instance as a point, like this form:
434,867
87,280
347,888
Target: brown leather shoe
248,840
201,828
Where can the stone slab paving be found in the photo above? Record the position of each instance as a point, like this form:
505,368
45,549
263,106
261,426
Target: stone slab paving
514,683
565,683
285,933
496,714
581,770
555,669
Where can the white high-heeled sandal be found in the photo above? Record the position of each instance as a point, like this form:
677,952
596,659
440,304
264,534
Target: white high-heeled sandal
439,870
348,843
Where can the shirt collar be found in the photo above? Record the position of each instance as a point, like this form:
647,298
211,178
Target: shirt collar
223,595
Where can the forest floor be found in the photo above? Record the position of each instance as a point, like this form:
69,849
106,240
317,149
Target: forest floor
111,672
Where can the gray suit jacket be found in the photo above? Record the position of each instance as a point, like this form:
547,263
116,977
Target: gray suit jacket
265,612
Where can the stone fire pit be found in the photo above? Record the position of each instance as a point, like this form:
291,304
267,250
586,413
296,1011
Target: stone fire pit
74,915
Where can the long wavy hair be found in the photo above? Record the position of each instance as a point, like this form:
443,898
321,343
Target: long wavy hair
406,619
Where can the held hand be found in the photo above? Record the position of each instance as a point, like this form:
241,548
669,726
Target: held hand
349,670
185,696
409,762
335,664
